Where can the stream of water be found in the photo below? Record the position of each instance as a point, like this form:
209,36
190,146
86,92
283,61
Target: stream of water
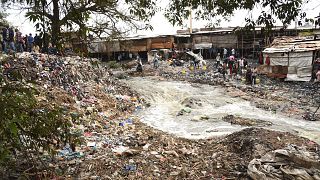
167,98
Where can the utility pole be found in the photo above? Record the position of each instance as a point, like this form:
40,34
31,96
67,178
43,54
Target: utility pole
242,43
43,26
317,22
190,18
254,41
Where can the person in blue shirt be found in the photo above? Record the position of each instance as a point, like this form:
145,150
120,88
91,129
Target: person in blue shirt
30,40
12,47
5,38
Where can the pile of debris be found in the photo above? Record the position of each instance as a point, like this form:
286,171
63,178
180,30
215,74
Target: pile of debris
291,162
98,104
114,143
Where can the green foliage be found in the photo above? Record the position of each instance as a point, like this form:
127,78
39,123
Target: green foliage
113,65
26,126
286,11
74,15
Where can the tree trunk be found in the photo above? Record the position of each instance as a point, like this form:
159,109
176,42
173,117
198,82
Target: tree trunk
55,23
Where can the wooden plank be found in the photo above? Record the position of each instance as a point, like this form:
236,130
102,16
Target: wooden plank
167,45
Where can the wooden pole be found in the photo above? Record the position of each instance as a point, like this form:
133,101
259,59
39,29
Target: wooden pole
254,42
190,28
242,43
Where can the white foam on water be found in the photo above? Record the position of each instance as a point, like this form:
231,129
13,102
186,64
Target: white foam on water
165,98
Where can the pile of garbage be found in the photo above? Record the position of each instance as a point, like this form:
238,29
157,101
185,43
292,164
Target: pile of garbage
98,104
291,162
114,144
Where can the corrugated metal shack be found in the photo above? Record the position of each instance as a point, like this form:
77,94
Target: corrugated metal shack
210,41
182,41
292,58
223,38
110,50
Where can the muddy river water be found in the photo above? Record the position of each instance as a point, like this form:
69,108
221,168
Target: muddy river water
209,104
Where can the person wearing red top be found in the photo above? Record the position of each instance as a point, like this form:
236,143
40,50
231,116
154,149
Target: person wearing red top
260,58
231,62
268,60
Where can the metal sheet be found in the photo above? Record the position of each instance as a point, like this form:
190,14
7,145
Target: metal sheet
203,46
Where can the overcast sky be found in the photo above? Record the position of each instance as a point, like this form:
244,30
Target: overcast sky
162,26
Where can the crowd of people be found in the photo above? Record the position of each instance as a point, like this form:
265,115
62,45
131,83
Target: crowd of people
227,64
233,66
13,41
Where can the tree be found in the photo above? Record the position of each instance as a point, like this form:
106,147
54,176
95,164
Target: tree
28,128
109,16
284,10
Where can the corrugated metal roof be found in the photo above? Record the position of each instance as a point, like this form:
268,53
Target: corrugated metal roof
215,31
286,44
286,49
181,35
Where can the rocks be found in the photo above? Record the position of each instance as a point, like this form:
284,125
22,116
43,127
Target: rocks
245,121
191,102
183,111
200,118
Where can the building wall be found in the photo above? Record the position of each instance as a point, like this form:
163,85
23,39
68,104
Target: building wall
217,40
136,45
161,43
298,64
246,43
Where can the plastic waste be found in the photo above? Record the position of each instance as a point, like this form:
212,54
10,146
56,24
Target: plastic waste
68,154
127,121
130,167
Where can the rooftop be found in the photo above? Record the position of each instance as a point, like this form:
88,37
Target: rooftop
286,44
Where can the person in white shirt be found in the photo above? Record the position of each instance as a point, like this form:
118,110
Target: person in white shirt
218,59
318,75
233,52
225,52
241,65
156,61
